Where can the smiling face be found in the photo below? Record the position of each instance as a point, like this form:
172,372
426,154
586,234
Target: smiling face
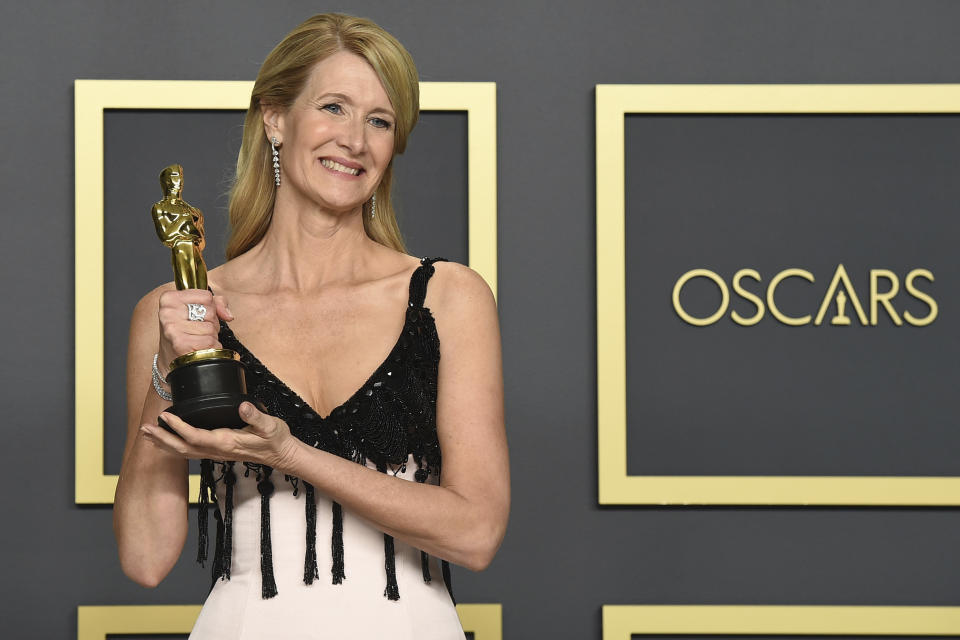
337,137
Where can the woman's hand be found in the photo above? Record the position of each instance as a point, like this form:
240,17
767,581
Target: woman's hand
179,334
265,439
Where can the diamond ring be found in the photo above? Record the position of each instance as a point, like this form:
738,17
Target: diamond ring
196,312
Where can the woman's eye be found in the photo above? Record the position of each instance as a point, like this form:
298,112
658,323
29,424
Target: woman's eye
380,123
332,108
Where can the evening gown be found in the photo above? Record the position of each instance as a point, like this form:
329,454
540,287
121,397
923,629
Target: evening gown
288,562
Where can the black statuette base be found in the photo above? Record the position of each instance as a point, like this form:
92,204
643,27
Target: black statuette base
207,393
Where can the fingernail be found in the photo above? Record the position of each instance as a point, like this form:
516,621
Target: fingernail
246,410
230,313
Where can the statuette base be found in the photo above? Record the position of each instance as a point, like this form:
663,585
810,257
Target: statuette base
207,392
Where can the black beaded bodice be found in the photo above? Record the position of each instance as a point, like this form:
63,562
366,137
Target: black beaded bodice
390,418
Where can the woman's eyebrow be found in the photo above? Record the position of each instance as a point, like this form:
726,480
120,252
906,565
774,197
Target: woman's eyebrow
385,111
339,96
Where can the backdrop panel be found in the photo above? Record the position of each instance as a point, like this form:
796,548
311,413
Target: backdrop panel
565,555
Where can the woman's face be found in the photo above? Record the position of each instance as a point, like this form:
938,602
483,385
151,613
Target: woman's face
337,137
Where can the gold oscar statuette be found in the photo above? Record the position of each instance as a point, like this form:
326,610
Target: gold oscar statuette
207,385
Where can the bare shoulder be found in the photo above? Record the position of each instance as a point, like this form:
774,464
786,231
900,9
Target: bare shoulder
453,281
459,297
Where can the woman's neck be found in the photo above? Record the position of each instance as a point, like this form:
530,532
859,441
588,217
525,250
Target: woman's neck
306,250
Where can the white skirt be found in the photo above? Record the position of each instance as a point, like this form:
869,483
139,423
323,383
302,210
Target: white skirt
354,609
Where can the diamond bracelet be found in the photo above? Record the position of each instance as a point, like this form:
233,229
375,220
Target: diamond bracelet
159,381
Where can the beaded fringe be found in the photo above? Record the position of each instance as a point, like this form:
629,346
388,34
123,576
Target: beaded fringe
425,566
216,571
336,544
226,557
392,591
223,552
424,558
268,587
446,578
206,486
310,571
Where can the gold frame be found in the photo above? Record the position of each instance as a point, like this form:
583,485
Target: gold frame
485,621
620,622
615,485
92,97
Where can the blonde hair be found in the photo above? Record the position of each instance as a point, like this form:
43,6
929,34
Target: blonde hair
281,79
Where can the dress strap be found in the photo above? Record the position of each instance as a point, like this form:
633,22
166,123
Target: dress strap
419,279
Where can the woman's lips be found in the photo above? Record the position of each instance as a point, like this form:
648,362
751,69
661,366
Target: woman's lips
343,167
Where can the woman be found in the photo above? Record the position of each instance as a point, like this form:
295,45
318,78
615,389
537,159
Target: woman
309,542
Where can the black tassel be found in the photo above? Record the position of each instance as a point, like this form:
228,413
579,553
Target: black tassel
310,572
216,570
392,592
337,544
226,555
421,477
206,482
295,482
265,487
425,566
446,578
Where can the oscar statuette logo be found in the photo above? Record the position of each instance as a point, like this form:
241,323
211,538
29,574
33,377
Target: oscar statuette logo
207,385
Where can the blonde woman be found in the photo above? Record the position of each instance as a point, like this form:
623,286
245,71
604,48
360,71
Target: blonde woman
376,461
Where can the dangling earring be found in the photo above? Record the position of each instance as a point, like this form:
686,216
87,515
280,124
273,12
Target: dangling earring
373,206
276,161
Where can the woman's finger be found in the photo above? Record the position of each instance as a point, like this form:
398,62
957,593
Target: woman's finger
184,335
204,328
165,440
190,442
223,308
254,417
187,433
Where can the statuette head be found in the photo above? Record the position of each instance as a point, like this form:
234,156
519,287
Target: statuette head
171,179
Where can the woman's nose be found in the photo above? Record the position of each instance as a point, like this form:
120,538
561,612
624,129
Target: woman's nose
351,135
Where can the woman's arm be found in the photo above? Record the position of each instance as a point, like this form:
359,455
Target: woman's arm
462,520
150,505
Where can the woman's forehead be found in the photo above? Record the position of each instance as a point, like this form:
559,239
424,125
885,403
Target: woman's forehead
347,74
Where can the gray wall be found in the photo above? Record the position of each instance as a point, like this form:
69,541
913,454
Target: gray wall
564,556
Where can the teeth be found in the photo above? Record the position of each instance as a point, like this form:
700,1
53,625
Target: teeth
336,166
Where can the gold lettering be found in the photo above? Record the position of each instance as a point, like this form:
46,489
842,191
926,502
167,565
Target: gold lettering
724,295
883,298
772,289
841,276
755,299
920,295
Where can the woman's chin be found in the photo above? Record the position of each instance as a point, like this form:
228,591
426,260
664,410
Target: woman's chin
333,203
